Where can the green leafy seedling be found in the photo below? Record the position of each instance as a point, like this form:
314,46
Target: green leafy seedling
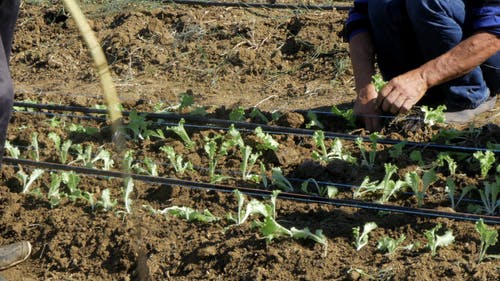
347,114
28,180
378,81
177,161
489,237
390,245
489,196
434,240
434,116
486,161
181,132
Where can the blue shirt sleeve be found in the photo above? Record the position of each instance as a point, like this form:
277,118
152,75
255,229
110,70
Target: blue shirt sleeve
357,21
486,16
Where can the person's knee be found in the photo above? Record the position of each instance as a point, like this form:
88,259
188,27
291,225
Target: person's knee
423,9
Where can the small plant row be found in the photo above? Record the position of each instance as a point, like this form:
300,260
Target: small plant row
253,167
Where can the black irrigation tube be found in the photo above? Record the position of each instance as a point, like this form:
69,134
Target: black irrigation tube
260,5
263,193
267,128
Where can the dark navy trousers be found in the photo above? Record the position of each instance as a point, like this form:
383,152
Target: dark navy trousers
8,15
408,33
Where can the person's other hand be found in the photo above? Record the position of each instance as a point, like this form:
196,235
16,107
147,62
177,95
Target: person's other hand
401,93
366,109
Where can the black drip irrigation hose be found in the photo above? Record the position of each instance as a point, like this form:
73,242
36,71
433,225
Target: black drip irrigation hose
260,5
263,193
267,128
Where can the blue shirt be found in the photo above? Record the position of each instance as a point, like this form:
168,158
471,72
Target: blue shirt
485,16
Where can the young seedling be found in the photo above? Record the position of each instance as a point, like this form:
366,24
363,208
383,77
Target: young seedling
266,140
378,82
12,150
138,125
213,157
336,151
54,195
433,116
489,237
105,157
347,114
63,148
419,185
237,114
84,155
361,239
270,228
28,180
105,202
451,190
186,213
257,114
176,160
397,150
486,161
434,241
313,121
445,157
34,148
181,132
280,180
151,167
489,196
247,163
368,157
387,186
390,245
323,191
127,191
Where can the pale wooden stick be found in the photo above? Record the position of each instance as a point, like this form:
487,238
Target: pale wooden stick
108,87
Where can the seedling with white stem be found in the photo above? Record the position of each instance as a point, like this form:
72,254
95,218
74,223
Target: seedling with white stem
336,151
12,150
176,160
127,191
28,180
323,191
105,202
247,163
280,180
489,196
368,157
419,185
34,148
63,148
489,237
390,245
267,141
361,239
451,190
186,213
434,241
181,132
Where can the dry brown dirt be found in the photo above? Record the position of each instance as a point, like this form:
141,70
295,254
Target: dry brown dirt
276,60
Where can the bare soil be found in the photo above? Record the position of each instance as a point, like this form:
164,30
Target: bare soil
275,60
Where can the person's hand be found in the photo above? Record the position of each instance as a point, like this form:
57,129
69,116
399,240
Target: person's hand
401,93
365,107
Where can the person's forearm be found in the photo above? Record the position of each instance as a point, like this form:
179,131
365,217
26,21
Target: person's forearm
362,59
461,59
